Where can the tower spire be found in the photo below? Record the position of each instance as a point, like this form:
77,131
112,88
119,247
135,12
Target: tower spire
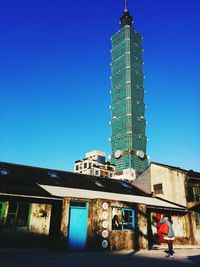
126,19
125,5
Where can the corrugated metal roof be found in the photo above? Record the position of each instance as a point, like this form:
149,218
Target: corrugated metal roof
58,191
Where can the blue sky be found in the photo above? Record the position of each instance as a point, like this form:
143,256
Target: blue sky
54,79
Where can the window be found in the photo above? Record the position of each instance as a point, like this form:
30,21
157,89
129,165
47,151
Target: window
99,184
77,203
123,219
193,192
2,211
85,165
101,159
126,185
18,214
77,167
197,219
4,172
158,189
53,175
96,173
196,193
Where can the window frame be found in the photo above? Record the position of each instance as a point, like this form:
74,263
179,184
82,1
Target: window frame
17,213
158,190
122,223
197,220
2,211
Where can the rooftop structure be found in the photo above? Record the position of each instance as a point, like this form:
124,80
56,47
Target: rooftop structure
95,164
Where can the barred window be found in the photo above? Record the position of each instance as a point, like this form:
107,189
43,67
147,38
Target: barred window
158,188
18,214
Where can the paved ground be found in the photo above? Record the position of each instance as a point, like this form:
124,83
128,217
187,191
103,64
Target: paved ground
39,257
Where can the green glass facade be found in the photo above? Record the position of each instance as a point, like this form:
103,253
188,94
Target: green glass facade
127,100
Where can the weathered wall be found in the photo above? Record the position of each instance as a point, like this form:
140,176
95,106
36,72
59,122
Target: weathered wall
144,181
100,230
40,219
182,229
100,235
142,227
65,218
195,230
173,183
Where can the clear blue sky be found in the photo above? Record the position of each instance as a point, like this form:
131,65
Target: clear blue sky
54,79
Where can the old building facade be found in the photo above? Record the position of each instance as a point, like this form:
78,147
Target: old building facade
94,213
178,186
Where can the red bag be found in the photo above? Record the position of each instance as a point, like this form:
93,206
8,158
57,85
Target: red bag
164,228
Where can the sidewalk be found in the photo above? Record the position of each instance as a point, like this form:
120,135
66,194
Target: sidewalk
164,246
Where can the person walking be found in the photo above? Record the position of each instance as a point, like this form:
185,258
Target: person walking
169,236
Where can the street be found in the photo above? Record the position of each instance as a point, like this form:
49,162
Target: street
36,257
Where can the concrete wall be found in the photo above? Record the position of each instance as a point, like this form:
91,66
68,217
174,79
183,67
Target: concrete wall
182,230
35,232
100,235
173,183
100,223
65,218
142,218
184,233
195,231
40,219
144,181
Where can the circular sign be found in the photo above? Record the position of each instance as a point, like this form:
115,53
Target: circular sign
105,224
104,243
104,233
105,206
104,214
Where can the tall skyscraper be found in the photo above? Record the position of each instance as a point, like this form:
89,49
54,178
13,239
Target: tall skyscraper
128,124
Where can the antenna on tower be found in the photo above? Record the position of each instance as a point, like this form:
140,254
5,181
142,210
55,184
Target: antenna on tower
125,5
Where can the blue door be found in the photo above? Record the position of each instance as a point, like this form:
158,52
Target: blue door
77,236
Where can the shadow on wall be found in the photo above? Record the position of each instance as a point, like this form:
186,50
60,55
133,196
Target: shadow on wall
20,238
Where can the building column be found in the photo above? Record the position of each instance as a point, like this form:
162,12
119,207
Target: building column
141,240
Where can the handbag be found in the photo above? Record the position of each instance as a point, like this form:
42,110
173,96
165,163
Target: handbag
164,228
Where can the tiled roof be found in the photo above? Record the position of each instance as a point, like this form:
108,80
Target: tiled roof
169,166
193,174
22,179
190,173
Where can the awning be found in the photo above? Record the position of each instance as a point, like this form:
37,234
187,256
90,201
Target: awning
28,196
58,191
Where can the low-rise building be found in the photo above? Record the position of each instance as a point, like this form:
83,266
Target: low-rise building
177,185
95,164
42,204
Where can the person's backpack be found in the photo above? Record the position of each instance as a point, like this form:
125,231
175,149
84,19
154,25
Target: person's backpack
164,228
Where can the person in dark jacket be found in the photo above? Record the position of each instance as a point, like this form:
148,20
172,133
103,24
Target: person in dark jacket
115,223
170,236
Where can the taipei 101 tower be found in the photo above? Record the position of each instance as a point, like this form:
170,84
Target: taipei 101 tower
128,124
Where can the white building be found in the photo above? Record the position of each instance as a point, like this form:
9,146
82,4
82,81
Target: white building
95,164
